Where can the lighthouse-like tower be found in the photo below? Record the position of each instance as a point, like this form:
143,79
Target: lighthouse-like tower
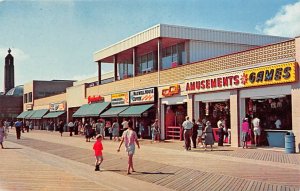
9,72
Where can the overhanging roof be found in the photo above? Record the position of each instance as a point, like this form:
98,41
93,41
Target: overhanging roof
184,33
135,111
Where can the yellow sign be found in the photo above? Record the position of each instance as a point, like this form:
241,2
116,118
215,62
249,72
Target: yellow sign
120,99
274,74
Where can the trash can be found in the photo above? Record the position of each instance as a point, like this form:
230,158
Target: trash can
290,146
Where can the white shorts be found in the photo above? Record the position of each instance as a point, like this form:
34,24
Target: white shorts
256,131
130,149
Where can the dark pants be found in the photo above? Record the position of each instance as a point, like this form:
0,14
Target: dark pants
18,131
187,139
194,139
76,130
71,131
221,137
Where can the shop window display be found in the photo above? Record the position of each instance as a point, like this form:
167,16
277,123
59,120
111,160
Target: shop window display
274,113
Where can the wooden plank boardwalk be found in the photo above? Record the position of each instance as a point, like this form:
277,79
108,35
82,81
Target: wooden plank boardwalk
191,174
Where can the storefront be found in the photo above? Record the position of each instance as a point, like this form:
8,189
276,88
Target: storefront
259,91
173,111
57,112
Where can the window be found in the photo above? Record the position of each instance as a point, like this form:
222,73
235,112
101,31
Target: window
173,56
125,69
145,63
30,97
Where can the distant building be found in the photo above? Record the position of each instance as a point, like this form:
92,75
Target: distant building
11,103
9,73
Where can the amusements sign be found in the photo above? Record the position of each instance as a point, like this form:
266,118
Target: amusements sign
57,106
142,96
261,76
119,99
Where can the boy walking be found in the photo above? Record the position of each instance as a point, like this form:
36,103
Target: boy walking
98,147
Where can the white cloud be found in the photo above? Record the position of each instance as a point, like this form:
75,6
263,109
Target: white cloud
285,23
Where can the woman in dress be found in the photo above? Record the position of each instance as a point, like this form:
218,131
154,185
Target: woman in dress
115,130
209,139
130,138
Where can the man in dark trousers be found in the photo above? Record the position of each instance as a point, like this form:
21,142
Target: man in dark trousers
18,126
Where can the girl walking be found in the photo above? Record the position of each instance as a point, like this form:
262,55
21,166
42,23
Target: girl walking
98,147
130,138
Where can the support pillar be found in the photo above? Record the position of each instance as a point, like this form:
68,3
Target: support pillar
99,72
295,95
234,118
115,67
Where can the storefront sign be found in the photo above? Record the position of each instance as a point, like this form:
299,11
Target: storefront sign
119,99
29,107
94,99
142,96
57,106
171,90
274,74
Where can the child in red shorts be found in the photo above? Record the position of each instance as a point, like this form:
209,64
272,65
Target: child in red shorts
98,147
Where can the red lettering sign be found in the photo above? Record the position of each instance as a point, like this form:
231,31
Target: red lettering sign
93,99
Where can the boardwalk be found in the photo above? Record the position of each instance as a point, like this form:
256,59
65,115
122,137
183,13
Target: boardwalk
48,161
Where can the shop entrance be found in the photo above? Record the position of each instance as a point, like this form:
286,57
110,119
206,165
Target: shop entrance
275,114
213,112
174,117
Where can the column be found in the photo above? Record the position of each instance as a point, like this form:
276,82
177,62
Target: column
159,56
134,61
190,108
99,72
295,94
116,67
234,117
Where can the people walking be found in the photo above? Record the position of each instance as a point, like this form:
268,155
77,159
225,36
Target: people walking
130,138
256,130
98,147
115,130
71,128
155,131
194,133
245,132
27,123
141,129
221,132
209,139
76,127
18,126
2,134
61,127
187,125
87,131
200,131
124,125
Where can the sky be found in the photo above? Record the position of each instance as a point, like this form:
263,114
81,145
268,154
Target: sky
56,39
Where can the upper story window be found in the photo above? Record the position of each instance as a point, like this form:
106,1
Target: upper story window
173,56
145,63
125,69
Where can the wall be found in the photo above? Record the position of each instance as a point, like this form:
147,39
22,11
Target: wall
76,96
43,103
10,106
201,50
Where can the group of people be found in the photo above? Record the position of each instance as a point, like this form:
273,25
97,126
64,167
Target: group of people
199,132
246,131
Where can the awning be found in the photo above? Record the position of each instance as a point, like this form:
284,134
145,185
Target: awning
113,112
91,110
38,114
23,114
54,114
29,114
135,111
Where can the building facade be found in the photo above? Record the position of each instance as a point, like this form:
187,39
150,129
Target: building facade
181,59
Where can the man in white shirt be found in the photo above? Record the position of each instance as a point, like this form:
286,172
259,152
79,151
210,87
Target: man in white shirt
187,125
256,130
